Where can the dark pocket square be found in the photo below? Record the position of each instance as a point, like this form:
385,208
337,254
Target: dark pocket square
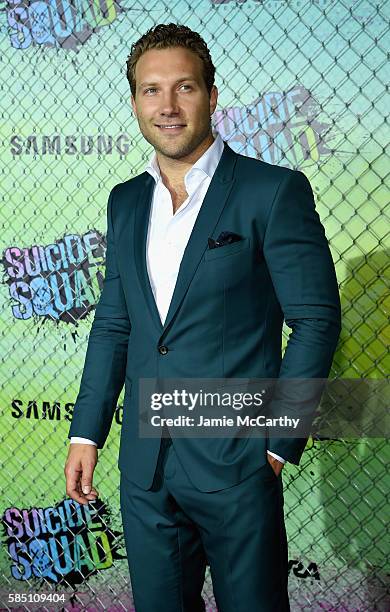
223,238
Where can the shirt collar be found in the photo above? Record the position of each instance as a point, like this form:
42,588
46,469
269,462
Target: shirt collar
205,165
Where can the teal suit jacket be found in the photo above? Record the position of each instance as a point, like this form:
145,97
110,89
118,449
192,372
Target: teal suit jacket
225,318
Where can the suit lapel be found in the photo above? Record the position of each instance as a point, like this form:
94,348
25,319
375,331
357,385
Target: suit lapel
209,213
141,222
208,216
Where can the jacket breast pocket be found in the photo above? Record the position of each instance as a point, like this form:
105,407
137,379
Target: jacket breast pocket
227,249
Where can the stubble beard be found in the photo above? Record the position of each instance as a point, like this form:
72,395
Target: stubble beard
179,147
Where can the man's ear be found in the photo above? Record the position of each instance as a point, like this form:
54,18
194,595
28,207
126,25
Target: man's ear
213,99
132,101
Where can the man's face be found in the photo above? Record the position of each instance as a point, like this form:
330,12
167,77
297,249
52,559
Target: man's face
171,91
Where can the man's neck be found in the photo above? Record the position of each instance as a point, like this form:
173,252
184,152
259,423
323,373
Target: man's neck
173,171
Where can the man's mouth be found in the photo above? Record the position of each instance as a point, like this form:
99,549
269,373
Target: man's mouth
171,128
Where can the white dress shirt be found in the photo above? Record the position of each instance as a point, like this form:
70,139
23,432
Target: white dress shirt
169,233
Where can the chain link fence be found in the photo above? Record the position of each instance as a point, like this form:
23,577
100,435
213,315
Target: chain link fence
301,84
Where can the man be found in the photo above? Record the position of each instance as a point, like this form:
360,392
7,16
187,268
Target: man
175,304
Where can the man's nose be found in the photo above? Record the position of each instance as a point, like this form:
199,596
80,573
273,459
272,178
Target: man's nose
169,104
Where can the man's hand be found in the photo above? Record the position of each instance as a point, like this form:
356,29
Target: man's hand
276,465
79,467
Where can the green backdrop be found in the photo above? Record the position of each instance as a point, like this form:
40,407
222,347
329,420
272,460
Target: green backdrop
301,84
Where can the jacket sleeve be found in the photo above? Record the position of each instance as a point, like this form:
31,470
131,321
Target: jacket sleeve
302,271
104,370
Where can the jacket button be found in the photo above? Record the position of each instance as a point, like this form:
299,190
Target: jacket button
163,349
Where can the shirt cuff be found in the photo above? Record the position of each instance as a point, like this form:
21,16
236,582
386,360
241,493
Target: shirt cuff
81,440
276,456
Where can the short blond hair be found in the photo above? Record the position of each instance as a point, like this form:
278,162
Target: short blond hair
164,36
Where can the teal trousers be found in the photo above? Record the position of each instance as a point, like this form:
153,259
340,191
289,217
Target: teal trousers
173,530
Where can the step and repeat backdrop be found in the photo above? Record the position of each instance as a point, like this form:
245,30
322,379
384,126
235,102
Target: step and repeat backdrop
301,84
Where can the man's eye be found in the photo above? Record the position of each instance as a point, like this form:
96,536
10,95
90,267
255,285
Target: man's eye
154,88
